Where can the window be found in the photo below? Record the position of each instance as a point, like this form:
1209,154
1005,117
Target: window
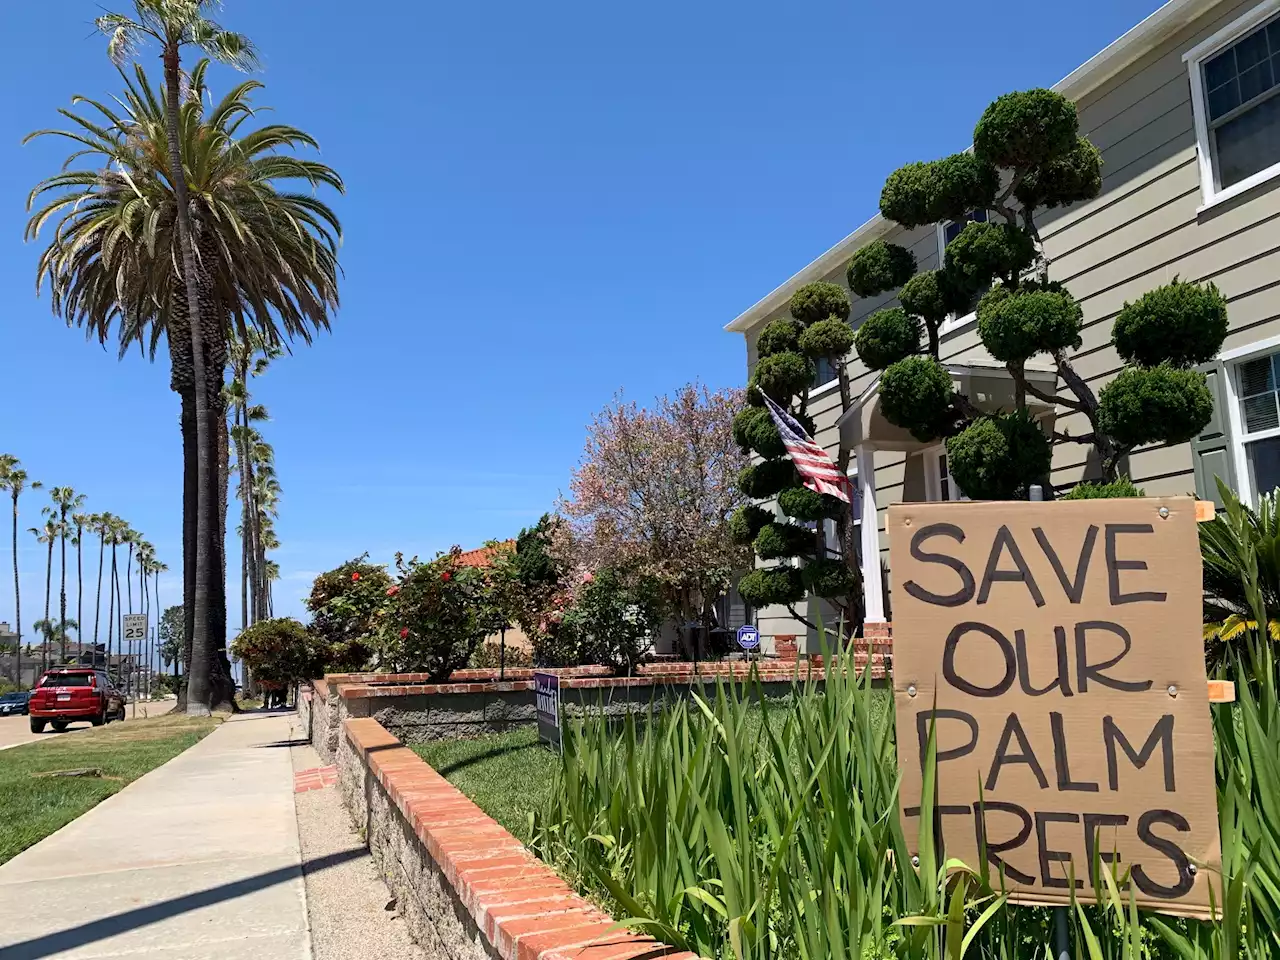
939,486
1257,388
824,373
947,232
1235,86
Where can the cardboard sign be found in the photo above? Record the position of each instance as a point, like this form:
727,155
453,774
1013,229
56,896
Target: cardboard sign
1056,650
546,688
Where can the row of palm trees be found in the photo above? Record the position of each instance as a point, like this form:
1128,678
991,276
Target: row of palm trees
185,227
66,522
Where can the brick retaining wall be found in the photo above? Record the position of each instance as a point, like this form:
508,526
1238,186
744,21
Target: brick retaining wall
466,888
474,703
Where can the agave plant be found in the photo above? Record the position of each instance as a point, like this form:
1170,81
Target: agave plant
1226,544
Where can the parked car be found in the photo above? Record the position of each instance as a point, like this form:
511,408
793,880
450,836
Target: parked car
14,704
66,694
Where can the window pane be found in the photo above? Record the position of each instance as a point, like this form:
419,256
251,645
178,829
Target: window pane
1251,50
1255,81
1256,377
1264,465
1219,70
1260,413
1273,33
1249,143
1224,99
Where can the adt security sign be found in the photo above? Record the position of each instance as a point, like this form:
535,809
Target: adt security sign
546,688
748,637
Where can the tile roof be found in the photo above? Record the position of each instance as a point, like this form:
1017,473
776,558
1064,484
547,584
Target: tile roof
483,556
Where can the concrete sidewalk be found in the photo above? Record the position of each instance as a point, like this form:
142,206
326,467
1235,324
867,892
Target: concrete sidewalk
197,860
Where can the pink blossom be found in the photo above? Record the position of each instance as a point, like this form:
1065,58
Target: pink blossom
404,632
392,591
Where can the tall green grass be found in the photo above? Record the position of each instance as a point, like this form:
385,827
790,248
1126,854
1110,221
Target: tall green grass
736,827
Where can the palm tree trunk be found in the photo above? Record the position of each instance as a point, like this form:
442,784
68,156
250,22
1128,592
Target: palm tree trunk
198,678
48,588
17,592
62,594
80,587
115,580
111,607
97,606
128,577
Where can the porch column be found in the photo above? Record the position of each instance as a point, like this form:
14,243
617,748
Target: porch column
872,584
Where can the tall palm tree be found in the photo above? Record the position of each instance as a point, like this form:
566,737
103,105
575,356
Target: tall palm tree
48,534
14,479
157,568
67,501
115,528
80,520
268,258
175,24
101,528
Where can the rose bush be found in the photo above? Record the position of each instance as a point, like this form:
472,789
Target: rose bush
347,605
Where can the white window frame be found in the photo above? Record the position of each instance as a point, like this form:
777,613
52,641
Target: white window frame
933,476
1194,58
1231,361
953,322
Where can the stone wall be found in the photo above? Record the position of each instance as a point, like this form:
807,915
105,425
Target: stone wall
466,888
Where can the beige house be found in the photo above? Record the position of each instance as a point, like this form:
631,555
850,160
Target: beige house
1185,109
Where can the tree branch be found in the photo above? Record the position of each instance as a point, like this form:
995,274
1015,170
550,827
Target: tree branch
1050,398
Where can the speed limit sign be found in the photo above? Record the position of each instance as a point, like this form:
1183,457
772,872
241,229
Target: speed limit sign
135,626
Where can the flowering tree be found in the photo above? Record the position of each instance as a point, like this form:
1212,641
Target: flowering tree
346,605
653,494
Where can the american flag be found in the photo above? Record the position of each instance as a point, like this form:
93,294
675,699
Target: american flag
818,470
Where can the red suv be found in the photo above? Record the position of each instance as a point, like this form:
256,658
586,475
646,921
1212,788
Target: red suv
65,694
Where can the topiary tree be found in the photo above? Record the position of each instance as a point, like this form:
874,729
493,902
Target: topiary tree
791,540
1027,155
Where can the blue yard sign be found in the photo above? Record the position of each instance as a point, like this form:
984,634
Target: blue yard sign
748,637
546,688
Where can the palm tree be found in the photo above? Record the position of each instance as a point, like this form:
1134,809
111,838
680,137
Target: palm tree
175,24
67,501
46,534
99,524
115,529
14,479
81,520
268,258
56,633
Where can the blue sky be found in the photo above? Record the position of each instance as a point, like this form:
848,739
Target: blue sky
546,204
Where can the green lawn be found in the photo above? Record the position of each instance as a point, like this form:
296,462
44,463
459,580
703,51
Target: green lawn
508,775
34,806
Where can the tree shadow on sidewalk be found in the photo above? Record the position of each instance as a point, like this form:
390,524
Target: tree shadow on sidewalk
97,930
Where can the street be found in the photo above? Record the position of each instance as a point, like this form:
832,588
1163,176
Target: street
15,731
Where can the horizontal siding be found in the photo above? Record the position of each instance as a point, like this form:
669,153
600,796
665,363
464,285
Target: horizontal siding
1141,232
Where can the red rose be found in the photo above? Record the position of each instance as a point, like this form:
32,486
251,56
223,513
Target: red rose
404,632
392,591
355,577
446,576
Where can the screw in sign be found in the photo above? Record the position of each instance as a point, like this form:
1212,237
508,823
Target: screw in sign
748,637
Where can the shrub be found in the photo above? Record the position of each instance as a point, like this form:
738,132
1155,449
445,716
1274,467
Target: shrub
490,655
770,585
907,196
615,619
801,503
782,375
818,301
1075,176
1015,325
984,251
748,520
1096,490
1179,323
827,338
1155,404
345,605
828,578
998,457
915,394
886,337
754,429
926,295
440,612
879,266
778,336
961,182
1026,129
280,652
777,540
760,481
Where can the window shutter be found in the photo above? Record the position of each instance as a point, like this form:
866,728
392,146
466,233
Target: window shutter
1211,454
